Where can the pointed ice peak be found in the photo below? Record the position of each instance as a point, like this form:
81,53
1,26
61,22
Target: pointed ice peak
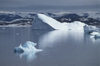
52,22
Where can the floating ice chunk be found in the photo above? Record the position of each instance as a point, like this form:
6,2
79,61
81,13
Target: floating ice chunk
28,49
93,31
95,34
89,29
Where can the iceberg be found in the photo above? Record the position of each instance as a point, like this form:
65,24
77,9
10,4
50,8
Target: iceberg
28,49
89,29
45,22
54,24
95,35
93,31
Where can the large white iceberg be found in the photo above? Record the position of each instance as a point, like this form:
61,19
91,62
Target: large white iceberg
77,25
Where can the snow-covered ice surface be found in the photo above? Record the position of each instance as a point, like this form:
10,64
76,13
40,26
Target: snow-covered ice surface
28,49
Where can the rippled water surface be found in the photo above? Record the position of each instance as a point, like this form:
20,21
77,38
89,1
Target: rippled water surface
60,48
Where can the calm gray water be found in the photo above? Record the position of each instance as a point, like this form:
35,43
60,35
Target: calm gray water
60,48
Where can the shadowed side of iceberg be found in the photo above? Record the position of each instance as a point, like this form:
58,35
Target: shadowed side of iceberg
39,24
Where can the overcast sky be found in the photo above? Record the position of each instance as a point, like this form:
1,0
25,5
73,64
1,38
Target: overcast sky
25,3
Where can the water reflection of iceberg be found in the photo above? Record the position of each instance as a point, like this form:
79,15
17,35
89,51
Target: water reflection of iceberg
27,50
54,37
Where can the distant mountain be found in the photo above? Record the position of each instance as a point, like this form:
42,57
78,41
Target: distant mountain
90,18
9,17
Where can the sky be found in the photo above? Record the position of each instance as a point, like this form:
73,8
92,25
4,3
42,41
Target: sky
23,3
7,4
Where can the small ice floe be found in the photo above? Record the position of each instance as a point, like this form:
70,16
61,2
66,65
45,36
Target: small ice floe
89,29
28,50
95,35
93,31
